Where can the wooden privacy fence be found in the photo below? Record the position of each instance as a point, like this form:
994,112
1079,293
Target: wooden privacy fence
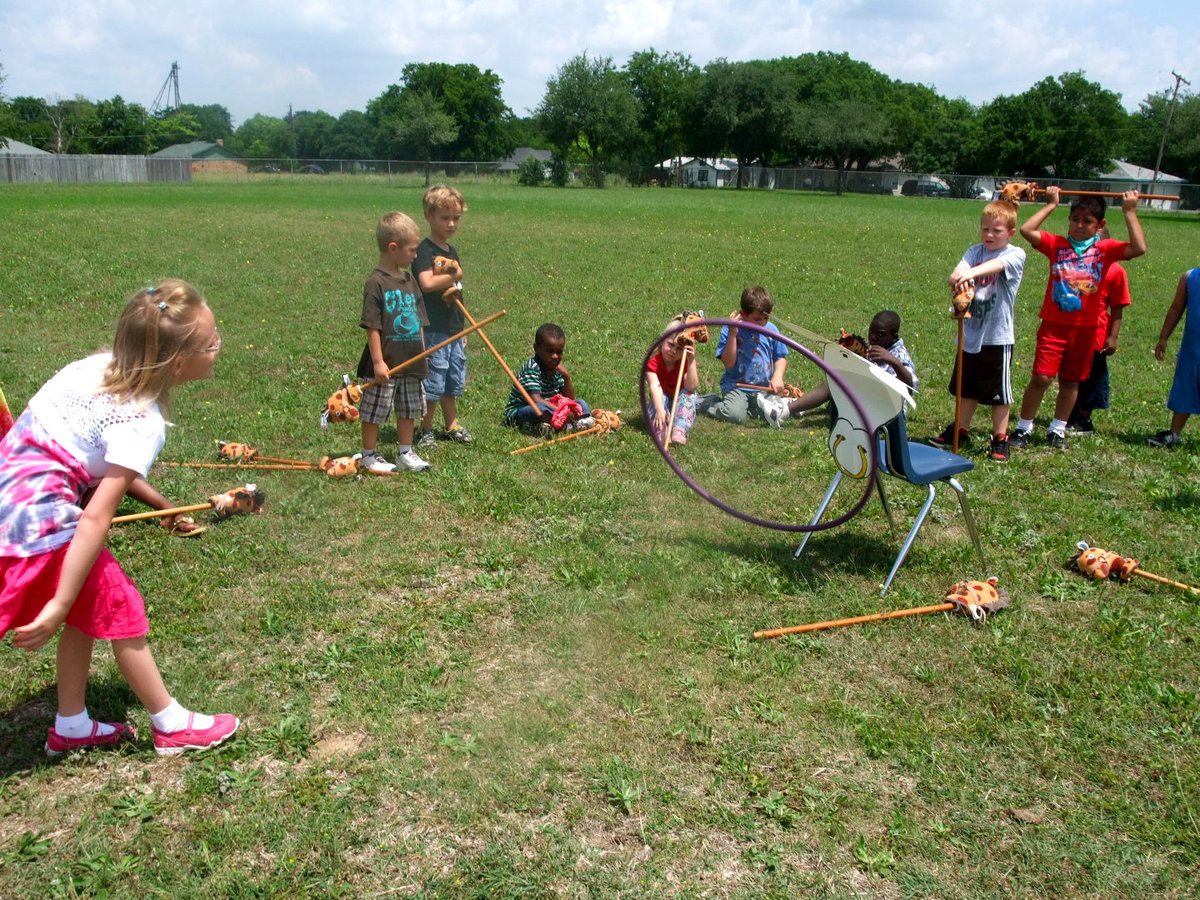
73,167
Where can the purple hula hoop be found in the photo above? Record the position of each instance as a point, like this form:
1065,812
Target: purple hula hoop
811,357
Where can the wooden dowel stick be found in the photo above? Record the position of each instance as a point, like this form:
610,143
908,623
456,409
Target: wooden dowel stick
557,440
295,467
756,387
161,513
436,347
958,366
1162,580
1066,193
509,372
272,459
856,620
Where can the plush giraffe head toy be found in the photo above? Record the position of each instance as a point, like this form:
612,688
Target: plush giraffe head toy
235,501
977,599
1101,564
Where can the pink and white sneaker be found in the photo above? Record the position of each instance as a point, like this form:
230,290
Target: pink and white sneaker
57,745
172,743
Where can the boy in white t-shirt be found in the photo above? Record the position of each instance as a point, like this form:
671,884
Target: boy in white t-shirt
995,266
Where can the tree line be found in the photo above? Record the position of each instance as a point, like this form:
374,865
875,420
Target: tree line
823,109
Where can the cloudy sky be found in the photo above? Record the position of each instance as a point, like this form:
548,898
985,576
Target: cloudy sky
257,56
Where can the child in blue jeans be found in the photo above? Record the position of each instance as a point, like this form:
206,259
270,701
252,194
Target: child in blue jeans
749,358
544,376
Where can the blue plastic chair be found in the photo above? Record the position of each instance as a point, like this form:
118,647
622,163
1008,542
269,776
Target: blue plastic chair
884,397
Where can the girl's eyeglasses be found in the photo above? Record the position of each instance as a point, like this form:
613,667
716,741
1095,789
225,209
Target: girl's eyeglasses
216,344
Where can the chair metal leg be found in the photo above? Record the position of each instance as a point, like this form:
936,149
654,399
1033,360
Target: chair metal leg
887,510
908,541
837,479
970,518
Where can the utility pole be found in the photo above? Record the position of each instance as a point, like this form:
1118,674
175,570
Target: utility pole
1166,128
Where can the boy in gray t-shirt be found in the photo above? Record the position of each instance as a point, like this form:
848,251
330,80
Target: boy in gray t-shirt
995,267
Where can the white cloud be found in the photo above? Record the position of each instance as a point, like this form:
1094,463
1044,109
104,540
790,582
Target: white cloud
338,54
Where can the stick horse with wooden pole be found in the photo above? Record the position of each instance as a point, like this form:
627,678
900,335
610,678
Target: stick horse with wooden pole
244,499
1104,564
444,265
960,309
1015,191
342,405
974,599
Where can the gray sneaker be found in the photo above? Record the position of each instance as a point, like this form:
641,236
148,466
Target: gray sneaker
459,434
1057,440
1166,438
427,440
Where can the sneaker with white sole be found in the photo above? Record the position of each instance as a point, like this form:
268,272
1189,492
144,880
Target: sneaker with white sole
585,422
172,743
373,462
409,460
1165,438
776,410
1057,440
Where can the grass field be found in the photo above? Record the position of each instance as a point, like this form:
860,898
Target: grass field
533,676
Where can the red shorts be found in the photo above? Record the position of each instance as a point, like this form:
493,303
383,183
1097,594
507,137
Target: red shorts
1064,351
108,608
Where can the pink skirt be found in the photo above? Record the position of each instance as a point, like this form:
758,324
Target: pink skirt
109,607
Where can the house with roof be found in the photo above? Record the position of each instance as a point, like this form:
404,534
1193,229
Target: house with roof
693,171
1125,176
13,147
511,164
207,156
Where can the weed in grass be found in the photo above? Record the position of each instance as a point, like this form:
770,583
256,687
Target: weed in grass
874,860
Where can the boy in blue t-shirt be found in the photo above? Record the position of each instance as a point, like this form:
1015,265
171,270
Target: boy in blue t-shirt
749,358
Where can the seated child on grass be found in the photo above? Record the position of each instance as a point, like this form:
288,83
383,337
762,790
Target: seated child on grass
662,375
544,376
749,358
885,348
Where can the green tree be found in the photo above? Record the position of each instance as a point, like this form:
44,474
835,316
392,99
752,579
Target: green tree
173,127
847,131
423,125
742,108
7,120
122,127
588,107
1181,154
213,122
1067,127
314,132
661,83
470,97
352,137
263,137
952,141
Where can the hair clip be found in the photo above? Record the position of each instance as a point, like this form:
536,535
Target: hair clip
150,290
162,305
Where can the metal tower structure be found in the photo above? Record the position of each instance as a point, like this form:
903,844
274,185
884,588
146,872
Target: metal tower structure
168,94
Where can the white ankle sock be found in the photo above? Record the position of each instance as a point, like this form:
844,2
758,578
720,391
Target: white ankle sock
1058,426
79,725
1024,424
175,718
